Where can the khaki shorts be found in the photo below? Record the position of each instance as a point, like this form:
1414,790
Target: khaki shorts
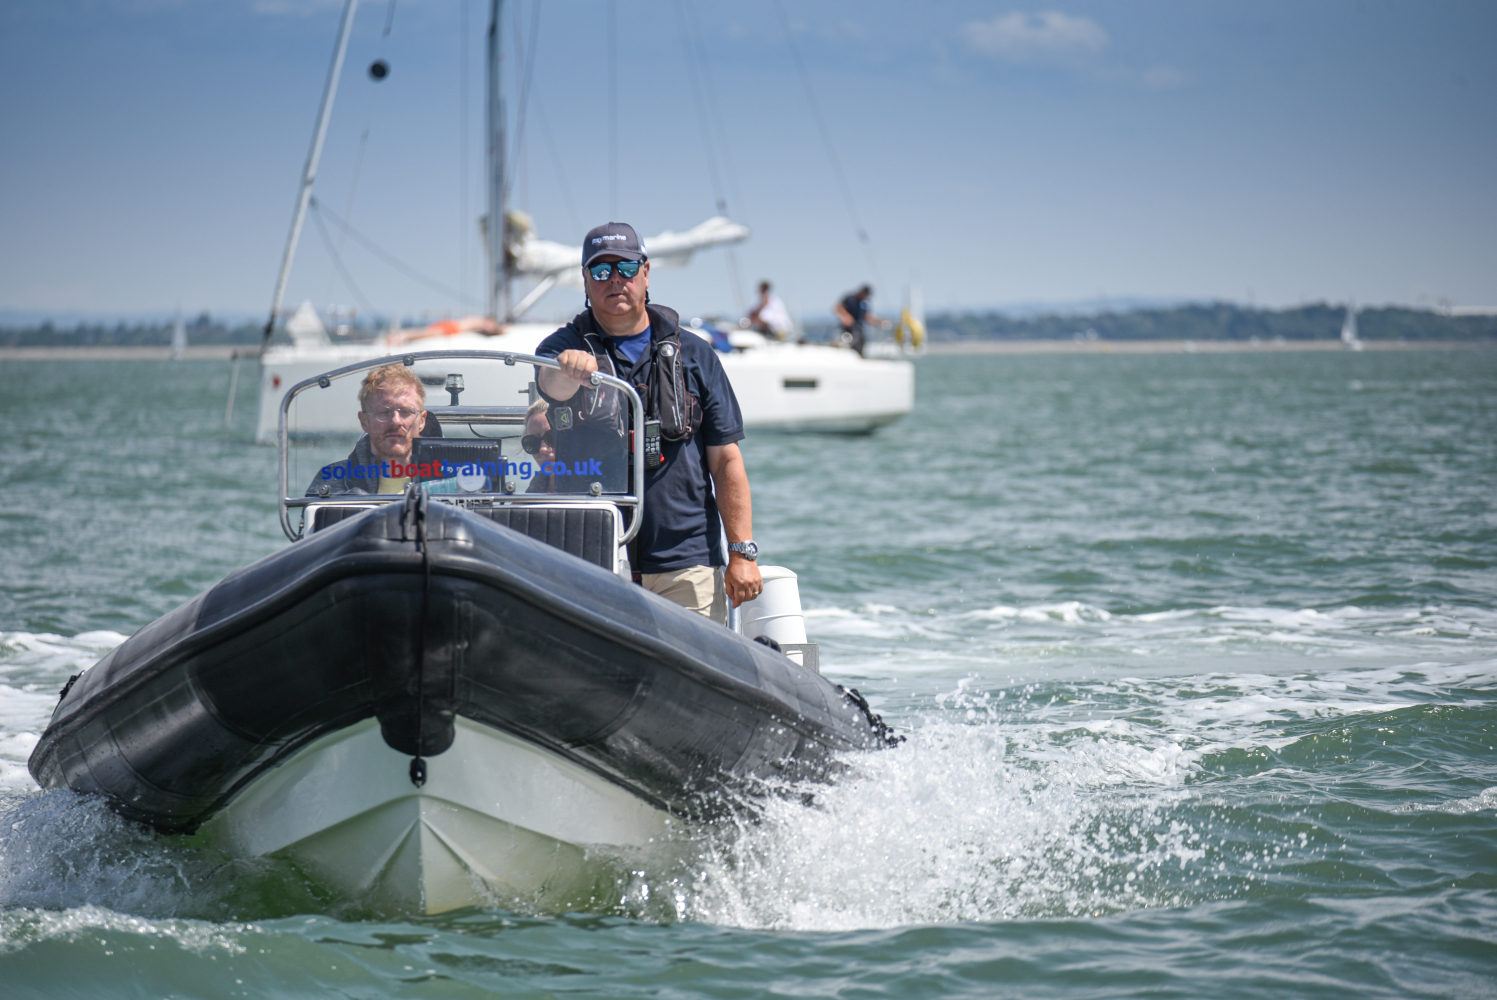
695,588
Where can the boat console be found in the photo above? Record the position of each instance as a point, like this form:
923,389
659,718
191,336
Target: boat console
579,490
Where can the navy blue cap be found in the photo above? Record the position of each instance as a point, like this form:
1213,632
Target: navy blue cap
616,239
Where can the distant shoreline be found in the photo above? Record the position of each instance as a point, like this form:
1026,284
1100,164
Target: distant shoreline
1193,346
126,352
224,352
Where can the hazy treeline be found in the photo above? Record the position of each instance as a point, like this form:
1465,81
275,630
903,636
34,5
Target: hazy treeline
203,329
1216,321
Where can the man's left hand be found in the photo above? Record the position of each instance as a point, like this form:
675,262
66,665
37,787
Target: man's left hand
730,481
742,579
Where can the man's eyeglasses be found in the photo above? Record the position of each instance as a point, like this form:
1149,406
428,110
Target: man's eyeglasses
391,412
602,272
532,442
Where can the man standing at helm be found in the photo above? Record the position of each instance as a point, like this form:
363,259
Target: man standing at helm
696,486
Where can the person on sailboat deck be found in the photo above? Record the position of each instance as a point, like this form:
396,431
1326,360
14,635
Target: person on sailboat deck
392,412
696,486
769,315
853,312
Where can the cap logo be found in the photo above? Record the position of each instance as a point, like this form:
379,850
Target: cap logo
609,236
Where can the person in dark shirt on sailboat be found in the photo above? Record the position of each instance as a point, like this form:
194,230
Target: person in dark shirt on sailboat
853,312
696,486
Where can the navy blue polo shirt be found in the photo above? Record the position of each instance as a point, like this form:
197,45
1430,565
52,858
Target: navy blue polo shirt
856,308
681,525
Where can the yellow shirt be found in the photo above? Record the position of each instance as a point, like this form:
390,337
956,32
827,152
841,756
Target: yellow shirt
388,485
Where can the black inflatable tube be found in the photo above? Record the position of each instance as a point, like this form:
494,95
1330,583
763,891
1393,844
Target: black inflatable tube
523,637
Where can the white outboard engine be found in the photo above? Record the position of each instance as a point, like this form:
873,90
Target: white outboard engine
776,614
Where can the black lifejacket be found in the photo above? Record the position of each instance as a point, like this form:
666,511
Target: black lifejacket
667,399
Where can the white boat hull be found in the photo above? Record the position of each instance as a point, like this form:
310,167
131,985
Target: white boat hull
498,822
780,387
793,387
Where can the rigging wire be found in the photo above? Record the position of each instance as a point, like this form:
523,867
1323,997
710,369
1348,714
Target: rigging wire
613,113
309,171
392,260
525,71
714,108
573,215
353,188
327,242
462,149
525,65
708,145
826,139
717,118
694,72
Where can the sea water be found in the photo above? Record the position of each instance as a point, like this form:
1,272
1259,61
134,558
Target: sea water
1196,658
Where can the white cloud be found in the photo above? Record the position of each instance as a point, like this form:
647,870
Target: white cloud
1046,36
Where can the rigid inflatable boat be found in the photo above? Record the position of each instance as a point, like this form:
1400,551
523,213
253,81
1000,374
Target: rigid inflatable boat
453,696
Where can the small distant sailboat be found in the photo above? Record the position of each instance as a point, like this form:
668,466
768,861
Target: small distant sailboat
179,337
1349,337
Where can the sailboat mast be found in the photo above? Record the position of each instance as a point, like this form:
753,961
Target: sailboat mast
309,173
494,232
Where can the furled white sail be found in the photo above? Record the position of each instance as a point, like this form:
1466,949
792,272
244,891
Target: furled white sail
549,259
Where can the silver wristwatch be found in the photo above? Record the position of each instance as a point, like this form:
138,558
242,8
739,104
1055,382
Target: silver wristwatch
747,549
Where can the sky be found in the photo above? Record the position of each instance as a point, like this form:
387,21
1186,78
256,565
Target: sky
995,155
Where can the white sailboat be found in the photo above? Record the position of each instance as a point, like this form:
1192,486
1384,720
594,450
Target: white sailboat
1349,337
780,386
179,337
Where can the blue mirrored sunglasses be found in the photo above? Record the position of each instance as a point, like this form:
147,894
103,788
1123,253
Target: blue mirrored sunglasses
604,271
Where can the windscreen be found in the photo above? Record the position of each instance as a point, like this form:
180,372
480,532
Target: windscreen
460,426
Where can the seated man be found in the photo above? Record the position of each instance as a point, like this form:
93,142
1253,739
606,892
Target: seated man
392,413
539,443
769,316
